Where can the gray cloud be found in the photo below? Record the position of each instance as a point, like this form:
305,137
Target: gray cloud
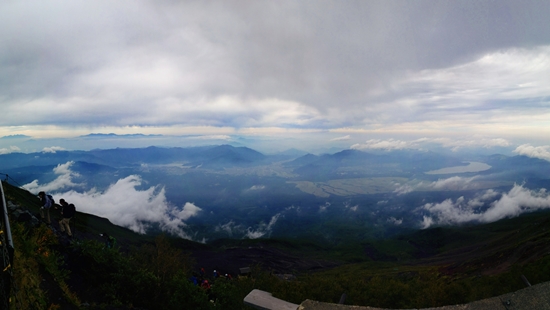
425,66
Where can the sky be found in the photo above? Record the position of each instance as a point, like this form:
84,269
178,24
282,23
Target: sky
302,74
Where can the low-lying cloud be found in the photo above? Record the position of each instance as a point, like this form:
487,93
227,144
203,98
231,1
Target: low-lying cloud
344,138
63,180
233,229
424,143
122,203
541,152
263,228
517,201
52,149
454,183
390,144
8,150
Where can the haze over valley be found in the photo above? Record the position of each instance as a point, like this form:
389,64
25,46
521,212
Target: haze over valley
211,192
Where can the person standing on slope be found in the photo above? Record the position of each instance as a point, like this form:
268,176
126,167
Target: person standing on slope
67,211
46,204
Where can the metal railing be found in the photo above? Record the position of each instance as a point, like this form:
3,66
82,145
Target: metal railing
7,249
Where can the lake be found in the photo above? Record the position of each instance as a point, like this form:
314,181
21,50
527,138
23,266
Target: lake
471,167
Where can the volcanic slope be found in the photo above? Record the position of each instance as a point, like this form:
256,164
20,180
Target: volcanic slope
476,255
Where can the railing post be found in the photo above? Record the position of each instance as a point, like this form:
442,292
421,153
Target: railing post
7,253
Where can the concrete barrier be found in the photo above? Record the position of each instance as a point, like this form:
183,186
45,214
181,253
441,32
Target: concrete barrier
536,297
265,301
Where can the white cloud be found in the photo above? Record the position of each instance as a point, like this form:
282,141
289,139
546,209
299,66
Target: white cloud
65,169
11,149
517,201
395,221
449,212
454,143
262,229
229,228
471,142
404,189
189,210
480,199
212,137
541,152
232,229
390,144
347,137
63,180
257,187
426,222
323,208
137,210
52,149
121,202
454,183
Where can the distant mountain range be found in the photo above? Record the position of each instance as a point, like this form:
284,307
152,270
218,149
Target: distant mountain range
238,192
208,156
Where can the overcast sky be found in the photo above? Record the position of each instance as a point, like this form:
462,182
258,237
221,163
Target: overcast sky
355,73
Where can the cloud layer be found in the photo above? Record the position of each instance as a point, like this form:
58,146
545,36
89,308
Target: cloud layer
426,68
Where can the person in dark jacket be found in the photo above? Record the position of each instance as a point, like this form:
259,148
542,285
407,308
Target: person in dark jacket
67,211
46,204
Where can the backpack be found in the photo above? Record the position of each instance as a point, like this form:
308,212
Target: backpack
71,210
51,199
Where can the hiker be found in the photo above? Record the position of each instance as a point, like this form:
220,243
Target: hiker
67,211
110,240
46,204
194,279
205,285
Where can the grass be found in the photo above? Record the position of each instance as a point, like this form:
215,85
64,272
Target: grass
35,262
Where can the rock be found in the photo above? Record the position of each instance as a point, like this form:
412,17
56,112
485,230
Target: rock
12,206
